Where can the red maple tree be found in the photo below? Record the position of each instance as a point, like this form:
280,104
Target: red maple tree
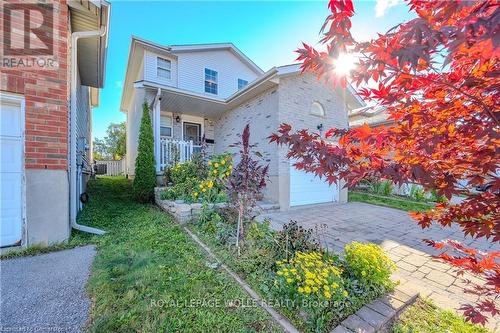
438,78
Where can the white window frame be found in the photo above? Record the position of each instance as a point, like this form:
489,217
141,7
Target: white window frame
160,68
214,81
171,125
317,109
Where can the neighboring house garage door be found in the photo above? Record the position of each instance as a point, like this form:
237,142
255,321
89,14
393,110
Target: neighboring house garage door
307,189
11,170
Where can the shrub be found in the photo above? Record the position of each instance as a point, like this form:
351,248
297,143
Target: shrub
384,187
313,282
435,197
247,180
209,220
293,238
145,170
387,188
417,193
369,264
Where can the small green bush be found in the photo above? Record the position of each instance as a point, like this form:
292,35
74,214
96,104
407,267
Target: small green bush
369,264
387,188
417,193
145,169
381,187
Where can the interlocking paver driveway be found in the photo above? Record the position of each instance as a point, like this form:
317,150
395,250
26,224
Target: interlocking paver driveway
400,236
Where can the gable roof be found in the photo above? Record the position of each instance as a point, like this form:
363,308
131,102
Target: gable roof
139,44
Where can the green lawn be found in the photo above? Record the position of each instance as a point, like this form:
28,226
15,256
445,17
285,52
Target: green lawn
424,317
149,276
392,202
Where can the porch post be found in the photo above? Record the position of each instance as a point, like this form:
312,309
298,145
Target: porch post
156,130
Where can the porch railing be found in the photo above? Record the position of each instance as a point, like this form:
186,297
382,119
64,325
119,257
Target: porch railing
174,150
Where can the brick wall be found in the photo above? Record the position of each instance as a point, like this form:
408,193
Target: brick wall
46,93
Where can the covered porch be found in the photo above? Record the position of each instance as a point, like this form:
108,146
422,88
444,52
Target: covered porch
182,125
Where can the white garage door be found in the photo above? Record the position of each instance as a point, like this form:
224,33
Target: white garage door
11,171
307,189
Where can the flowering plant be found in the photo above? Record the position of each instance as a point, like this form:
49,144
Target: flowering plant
311,274
368,263
212,188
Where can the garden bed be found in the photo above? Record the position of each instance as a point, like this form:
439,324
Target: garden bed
265,270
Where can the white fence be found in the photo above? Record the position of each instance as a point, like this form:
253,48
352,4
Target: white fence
113,168
174,150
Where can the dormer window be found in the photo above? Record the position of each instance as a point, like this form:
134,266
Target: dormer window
164,68
242,83
211,85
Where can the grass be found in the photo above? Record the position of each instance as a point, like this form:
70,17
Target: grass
149,276
402,204
425,317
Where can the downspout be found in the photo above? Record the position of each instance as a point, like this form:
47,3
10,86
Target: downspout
75,36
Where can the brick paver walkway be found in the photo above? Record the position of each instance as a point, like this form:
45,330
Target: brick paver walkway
400,236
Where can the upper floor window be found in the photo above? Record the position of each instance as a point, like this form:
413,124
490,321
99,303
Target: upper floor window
211,81
317,109
164,68
242,83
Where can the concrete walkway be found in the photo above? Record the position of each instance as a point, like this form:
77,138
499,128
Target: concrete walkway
45,293
400,236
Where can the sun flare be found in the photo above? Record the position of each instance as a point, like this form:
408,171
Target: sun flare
344,63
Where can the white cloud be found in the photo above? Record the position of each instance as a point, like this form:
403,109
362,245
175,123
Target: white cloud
383,5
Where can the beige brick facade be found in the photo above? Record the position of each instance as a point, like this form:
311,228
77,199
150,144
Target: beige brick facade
290,102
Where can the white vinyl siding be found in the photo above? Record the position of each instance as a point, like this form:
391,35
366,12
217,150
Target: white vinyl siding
152,66
188,70
191,71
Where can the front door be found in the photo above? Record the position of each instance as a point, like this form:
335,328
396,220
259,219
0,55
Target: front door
11,171
192,132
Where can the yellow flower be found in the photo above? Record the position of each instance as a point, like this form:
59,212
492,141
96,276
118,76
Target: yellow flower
289,280
216,165
307,289
345,293
215,172
209,162
201,186
309,282
327,294
223,162
326,287
227,173
300,290
195,194
204,190
279,273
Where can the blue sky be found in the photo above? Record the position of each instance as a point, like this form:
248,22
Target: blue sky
267,32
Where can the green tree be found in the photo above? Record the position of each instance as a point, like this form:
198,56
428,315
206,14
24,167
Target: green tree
145,171
113,146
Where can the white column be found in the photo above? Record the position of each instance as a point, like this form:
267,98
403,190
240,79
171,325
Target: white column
156,130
